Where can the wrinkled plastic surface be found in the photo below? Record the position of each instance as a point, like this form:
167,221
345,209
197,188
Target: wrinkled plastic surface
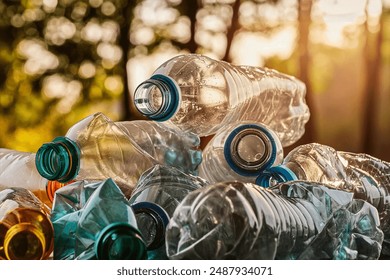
166,143
366,176
80,211
108,152
17,169
165,186
234,220
23,164
216,93
124,150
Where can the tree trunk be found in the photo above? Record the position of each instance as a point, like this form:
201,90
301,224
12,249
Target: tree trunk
304,20
124,42
372,55
232,29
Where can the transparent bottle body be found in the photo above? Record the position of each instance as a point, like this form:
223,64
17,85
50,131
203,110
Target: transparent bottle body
123,150
365,176
214,93
95,207
17,169
108,152
166,187
26,232
254,146
67,207
234,220
166,143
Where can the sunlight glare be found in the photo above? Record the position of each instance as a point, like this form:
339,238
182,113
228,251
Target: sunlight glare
259,47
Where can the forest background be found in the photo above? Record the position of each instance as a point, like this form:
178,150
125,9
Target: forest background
61,60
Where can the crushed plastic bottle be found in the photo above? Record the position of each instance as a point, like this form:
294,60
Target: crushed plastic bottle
235,220
17,169
240,151
97,148
365,176
156,196
166,143
26,232
201,95
94,220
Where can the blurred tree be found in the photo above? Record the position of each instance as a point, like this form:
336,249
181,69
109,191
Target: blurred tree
59,61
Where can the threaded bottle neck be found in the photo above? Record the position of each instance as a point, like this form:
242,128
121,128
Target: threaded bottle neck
120,241
152,220
58,160
251,148
24,241
52,187
275,175
157,98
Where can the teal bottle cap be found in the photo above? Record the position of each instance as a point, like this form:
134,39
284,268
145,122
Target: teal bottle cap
120,241
58,160
277,174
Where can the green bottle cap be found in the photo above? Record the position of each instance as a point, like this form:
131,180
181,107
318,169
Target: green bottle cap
120,241
58,160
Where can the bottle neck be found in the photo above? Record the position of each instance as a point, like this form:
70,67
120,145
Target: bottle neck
52,187
157,98
275,175
24,241
250,149
120,241
152,220
58,160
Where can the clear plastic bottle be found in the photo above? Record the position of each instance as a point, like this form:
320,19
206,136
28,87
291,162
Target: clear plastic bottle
156,196
201,95
166,143
296,220
17,169
94,220
26,232
240,151
367,177
97,148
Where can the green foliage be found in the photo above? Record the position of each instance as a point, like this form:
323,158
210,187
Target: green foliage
57,58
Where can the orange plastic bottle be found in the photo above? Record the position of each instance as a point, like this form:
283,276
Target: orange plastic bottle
26,232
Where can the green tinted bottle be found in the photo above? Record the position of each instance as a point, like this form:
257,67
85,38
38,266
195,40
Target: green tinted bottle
95,221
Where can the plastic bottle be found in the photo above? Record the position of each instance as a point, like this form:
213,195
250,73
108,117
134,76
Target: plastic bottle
240,151
26,232
297,220
367,177
154,199
166,143
17,169
97,148
201,95
94,220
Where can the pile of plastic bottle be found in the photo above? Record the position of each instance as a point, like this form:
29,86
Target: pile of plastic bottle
144,189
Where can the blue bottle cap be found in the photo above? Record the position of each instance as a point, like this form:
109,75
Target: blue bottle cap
120,241
278,174
149,105
160,218
242,166
58,160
